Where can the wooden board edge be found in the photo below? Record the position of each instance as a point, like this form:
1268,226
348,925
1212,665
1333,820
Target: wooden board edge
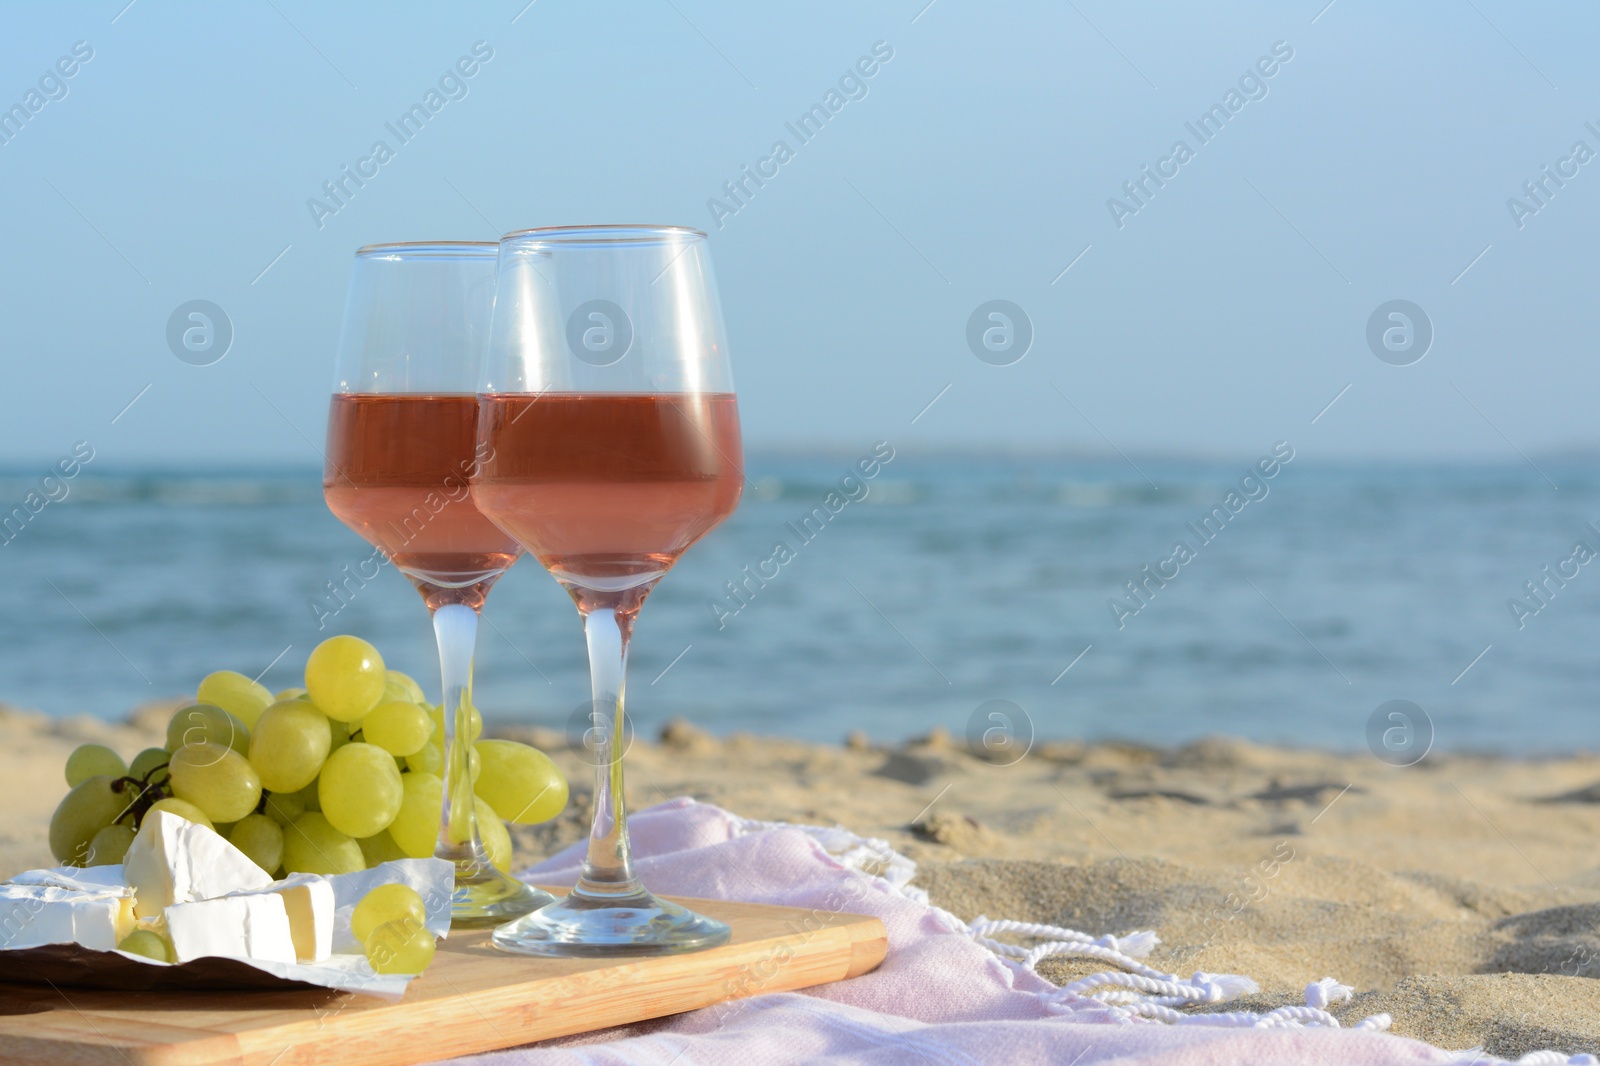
221,1049
869,946
848,945
816,958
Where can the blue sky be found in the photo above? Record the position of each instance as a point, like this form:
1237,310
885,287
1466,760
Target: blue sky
976,164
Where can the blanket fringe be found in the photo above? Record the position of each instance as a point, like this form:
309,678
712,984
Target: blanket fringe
1141,991
1476,1057
1137,991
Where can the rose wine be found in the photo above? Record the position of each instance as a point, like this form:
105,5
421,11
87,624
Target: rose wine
398,471
607,490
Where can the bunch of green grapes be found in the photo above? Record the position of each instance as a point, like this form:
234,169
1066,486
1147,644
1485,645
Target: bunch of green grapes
331,778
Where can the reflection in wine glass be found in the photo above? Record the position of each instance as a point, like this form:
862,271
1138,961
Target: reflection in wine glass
611,435
402,450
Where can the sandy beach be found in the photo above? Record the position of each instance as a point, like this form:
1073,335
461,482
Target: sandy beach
1461,895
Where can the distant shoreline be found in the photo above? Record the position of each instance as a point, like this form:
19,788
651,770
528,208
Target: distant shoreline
109,467
153,714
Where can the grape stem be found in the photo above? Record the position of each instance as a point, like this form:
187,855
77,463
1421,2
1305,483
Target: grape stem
147,797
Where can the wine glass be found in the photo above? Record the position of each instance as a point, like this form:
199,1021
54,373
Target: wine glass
611,441
402,448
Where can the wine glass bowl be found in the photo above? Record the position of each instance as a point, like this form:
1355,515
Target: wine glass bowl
401,481
610,440
402,449
609,489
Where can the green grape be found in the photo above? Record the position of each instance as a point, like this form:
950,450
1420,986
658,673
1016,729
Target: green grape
201,723
148,760
312,846
380,848
519,781
398,686
308,797
93,760
109,845
360,789
218,780
428,760
398,727
496,838
289,694
405,946
284,807
386,903
260,838
290,742
416,827
238,695
345,677
473,716
87,809
149,944
182,809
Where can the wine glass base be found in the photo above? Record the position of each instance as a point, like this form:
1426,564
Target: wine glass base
487,898
585,926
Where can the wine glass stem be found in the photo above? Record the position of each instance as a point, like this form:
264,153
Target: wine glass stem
608,868
455,625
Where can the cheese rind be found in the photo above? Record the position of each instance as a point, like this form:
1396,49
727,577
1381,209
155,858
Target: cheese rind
254,926
174,860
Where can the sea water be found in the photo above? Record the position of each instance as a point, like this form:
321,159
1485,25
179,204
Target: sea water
1089,598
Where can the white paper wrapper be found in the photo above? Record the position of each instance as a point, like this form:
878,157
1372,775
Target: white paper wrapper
434,880
347,970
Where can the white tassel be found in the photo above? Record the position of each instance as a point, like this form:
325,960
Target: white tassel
1227,986
1321,993
1136,944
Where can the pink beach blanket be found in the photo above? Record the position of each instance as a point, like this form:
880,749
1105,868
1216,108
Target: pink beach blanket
940,997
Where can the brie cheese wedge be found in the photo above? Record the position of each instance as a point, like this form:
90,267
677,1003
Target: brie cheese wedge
254,926
174,860
35,915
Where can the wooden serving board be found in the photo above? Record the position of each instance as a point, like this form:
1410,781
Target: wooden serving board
473,998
